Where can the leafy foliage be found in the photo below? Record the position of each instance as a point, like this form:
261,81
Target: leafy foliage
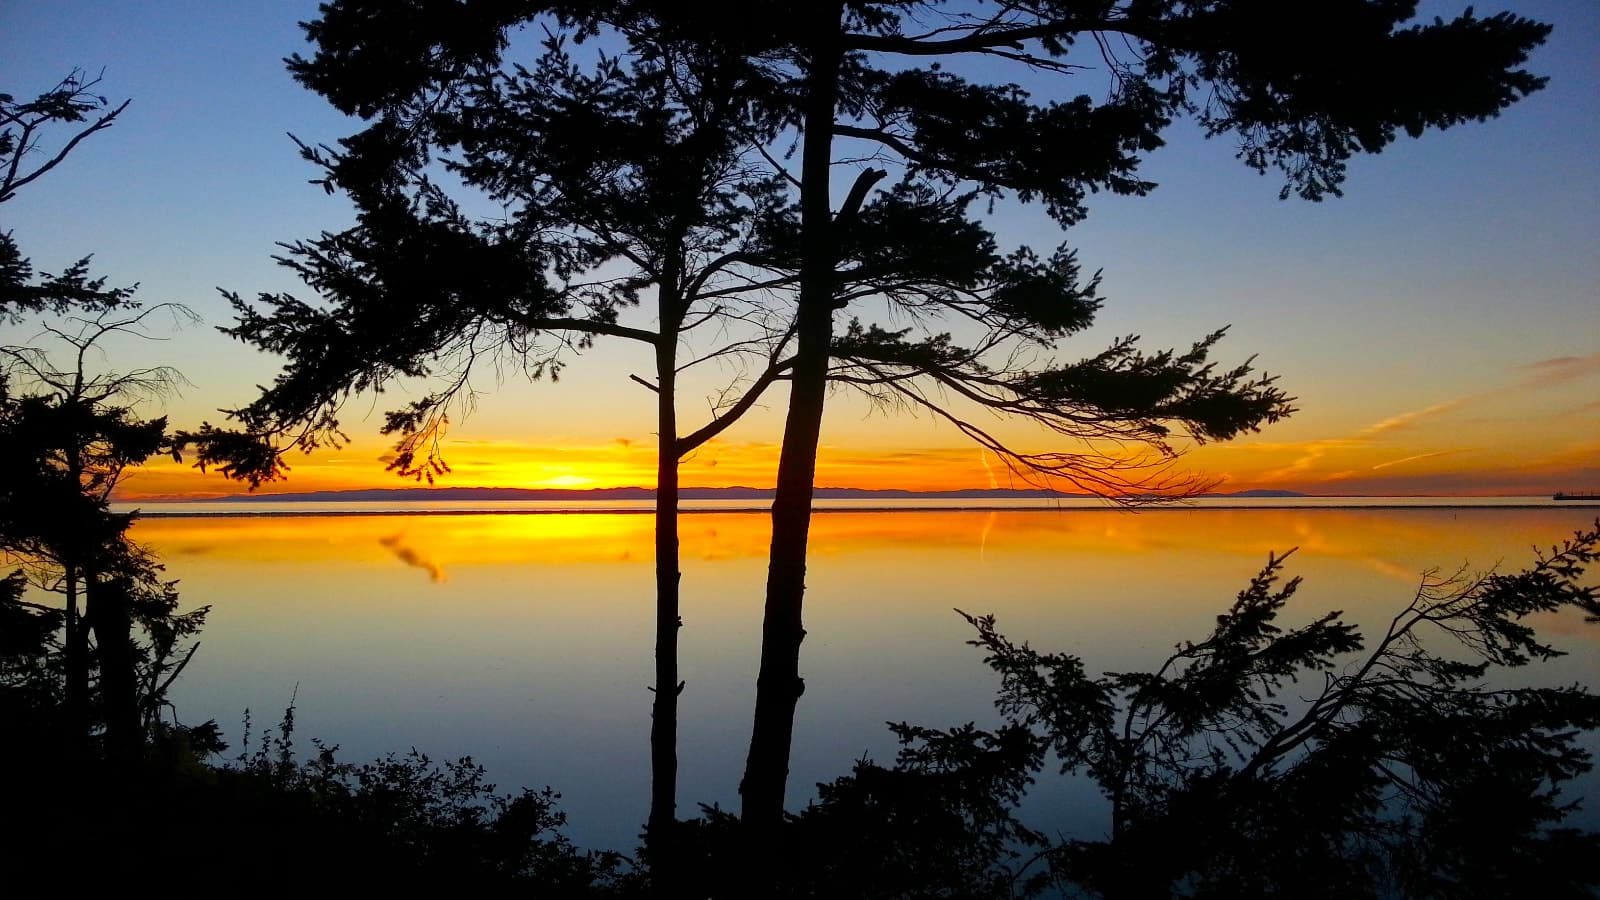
25,156
1407,773
615,178
428,822
939,822
30,657
91,664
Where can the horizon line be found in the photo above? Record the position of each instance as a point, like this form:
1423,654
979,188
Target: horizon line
312,496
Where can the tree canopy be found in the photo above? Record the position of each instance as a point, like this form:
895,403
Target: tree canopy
31,146
84,673
91,672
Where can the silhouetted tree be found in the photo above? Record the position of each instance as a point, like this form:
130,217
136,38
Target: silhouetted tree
516,136
615,180
1415,770
286,819
67,435
31,679
28,149
1302,87
402,821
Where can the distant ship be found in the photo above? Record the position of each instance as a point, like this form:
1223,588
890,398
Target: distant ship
1589,496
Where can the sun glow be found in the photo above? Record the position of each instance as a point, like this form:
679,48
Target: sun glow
564,481
1437,449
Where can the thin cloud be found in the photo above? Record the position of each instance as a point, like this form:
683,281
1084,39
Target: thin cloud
1559,370
1310,454
1404,419
1419,456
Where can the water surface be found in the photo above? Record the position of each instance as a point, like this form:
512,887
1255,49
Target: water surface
264,506
525,640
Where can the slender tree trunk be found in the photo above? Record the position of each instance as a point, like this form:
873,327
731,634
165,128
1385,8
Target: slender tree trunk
76,653
779,686
111,618
661,828
77,643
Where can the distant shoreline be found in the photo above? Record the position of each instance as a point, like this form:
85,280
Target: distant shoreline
146,513
641,494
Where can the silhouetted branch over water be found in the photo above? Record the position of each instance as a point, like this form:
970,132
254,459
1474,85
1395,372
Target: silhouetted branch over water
1412,773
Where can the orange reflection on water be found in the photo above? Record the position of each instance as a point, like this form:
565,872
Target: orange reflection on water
1398,542
449,540
1106,565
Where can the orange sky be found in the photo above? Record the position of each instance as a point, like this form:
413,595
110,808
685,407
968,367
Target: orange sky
1533,431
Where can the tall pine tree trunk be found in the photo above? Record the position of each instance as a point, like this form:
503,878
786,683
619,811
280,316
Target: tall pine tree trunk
661,828
779,686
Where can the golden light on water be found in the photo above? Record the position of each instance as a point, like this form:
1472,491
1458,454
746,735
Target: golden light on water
1399,543
1176,562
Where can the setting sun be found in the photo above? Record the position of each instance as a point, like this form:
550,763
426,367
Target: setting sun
563,481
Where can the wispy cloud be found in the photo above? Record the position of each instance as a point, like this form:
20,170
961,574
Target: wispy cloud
1402,420
1416,458
1311,453
1559,370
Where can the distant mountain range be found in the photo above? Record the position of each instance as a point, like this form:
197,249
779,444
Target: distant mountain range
639,493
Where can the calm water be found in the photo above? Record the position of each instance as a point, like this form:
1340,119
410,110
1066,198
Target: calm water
525,640
225,507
